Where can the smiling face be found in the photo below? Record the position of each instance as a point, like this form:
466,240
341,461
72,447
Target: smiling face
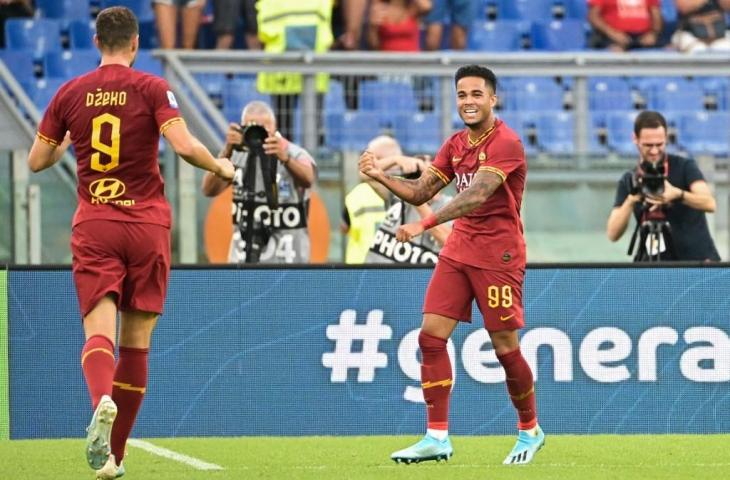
475,100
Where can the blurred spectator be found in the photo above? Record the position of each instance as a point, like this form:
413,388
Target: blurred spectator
226,14
292,25
458,13
12,9
394,25
620,25
347,21
702,26
166,13
365,205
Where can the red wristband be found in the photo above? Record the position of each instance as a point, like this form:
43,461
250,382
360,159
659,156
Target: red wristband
429,222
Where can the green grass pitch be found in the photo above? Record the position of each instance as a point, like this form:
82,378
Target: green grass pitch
565,457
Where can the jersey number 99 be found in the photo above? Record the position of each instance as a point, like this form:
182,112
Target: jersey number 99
499,296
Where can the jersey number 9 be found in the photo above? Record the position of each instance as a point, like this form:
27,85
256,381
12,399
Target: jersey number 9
110,149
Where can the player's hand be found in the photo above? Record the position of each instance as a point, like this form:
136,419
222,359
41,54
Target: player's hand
277,145
225,169
411,165
234,136
406,232
368,165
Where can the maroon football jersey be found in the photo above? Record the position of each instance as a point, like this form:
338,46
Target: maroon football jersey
491,236
115,115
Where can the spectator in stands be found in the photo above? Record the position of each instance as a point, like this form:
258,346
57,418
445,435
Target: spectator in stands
166,17
702,26
394,25
13,9
347,21
678,198
292,25
621,25
458,13
277,230
226,15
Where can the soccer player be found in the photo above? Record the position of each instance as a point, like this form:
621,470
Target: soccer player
483,259
120,239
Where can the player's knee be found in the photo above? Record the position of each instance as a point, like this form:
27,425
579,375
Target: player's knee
429,343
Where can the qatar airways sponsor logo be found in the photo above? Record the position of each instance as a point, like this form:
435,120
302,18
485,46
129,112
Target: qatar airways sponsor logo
463,180
602,354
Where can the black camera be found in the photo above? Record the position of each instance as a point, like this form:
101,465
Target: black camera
253,137
648,179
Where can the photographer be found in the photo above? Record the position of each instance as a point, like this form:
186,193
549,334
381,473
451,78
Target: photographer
271,187
668,196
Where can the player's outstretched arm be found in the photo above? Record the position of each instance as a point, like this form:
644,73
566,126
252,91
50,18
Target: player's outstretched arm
195,153
416,192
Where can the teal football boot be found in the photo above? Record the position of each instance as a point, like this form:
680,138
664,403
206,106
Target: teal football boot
526,447
110,470
429,448
98,433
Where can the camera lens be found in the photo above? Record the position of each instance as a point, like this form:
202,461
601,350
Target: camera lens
254,136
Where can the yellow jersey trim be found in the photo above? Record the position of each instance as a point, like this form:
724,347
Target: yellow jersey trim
169,123
494,170
47,140
439,174
480,138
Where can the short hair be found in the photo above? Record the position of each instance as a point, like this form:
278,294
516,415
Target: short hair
257,107
115,28
649,119
477,71
384,146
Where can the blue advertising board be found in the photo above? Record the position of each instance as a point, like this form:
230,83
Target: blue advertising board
334,352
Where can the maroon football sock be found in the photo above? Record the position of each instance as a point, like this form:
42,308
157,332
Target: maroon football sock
436,380
97,363
521,387
130,383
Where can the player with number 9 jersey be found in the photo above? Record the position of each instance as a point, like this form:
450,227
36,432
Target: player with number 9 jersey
115,116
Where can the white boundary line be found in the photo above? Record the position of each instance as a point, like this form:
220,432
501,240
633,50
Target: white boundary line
178,457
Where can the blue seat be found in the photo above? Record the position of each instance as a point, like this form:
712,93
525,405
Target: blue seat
577,9
20,65
334,99
81,34
213,84
609,93
145,62
69,64
704,132
501,36
419,132
597,132
64,9
42,91
237,92
37,36
351,131
534,94
141,8
619,131
518,122
525,9
387,100
559,35
717,90
555,132
676,95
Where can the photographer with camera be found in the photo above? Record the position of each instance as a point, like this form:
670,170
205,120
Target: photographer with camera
668,196
271,187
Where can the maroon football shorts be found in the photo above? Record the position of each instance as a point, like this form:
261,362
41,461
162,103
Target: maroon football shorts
131,260
454,285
